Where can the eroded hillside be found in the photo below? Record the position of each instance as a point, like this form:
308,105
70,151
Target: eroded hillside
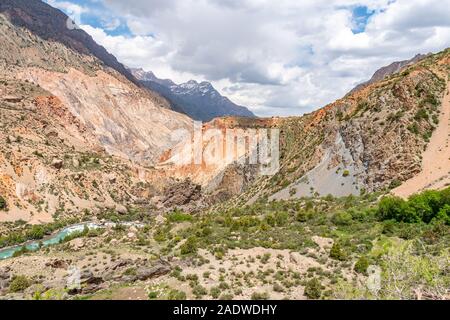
127,120
52,166
372,139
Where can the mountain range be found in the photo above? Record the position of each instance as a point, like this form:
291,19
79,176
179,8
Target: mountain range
89,180
200,101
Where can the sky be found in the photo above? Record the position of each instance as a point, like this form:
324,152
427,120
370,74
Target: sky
277,57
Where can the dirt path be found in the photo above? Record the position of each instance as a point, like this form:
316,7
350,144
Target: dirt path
436,159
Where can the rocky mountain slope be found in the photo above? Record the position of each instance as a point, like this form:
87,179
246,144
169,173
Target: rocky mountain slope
53,167
372,139
81,142
126,119
200,101
73,121
384,72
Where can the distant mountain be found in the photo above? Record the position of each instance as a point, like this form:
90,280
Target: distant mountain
200,101
384,72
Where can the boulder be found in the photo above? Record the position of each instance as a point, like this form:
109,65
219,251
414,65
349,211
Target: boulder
121,209
182,193
146,273
58,264
76,244
112,178
57,163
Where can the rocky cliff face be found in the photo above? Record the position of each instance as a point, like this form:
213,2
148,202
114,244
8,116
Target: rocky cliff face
52,25
200,101
372,139
72,118
52,165
125,119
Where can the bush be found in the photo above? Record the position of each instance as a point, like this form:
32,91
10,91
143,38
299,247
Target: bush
421,114
346,173
337,253
391,208
189,247
3,204
444,215
361,265
260,296
19,284
198,291
313,289
226,297
176,295
278,287
395,184
36,233
424,207
215,292
342,218
153,295
178,216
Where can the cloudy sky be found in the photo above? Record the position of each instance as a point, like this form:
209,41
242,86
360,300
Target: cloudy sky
278,57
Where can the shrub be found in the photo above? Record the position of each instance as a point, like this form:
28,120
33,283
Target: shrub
153,295
189,247
361,265
19,284
346,173
395,184
198,291
337,253
342,218
392,208
278,288
260,296
3,204
178,216
292,192
421,114
36,233
265,258
313,289
414,128
176,295
215,292
444,214
424,207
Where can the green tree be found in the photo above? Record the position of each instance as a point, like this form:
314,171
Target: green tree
362,265
313,289
337,253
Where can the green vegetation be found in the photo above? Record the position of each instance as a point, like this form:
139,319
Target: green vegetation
28,232
313,289
19,284
178,216
190,246
425,207
362,265
3,204
337,253
176,295
260,296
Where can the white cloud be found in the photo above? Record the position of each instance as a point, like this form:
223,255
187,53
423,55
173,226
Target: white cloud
278,57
